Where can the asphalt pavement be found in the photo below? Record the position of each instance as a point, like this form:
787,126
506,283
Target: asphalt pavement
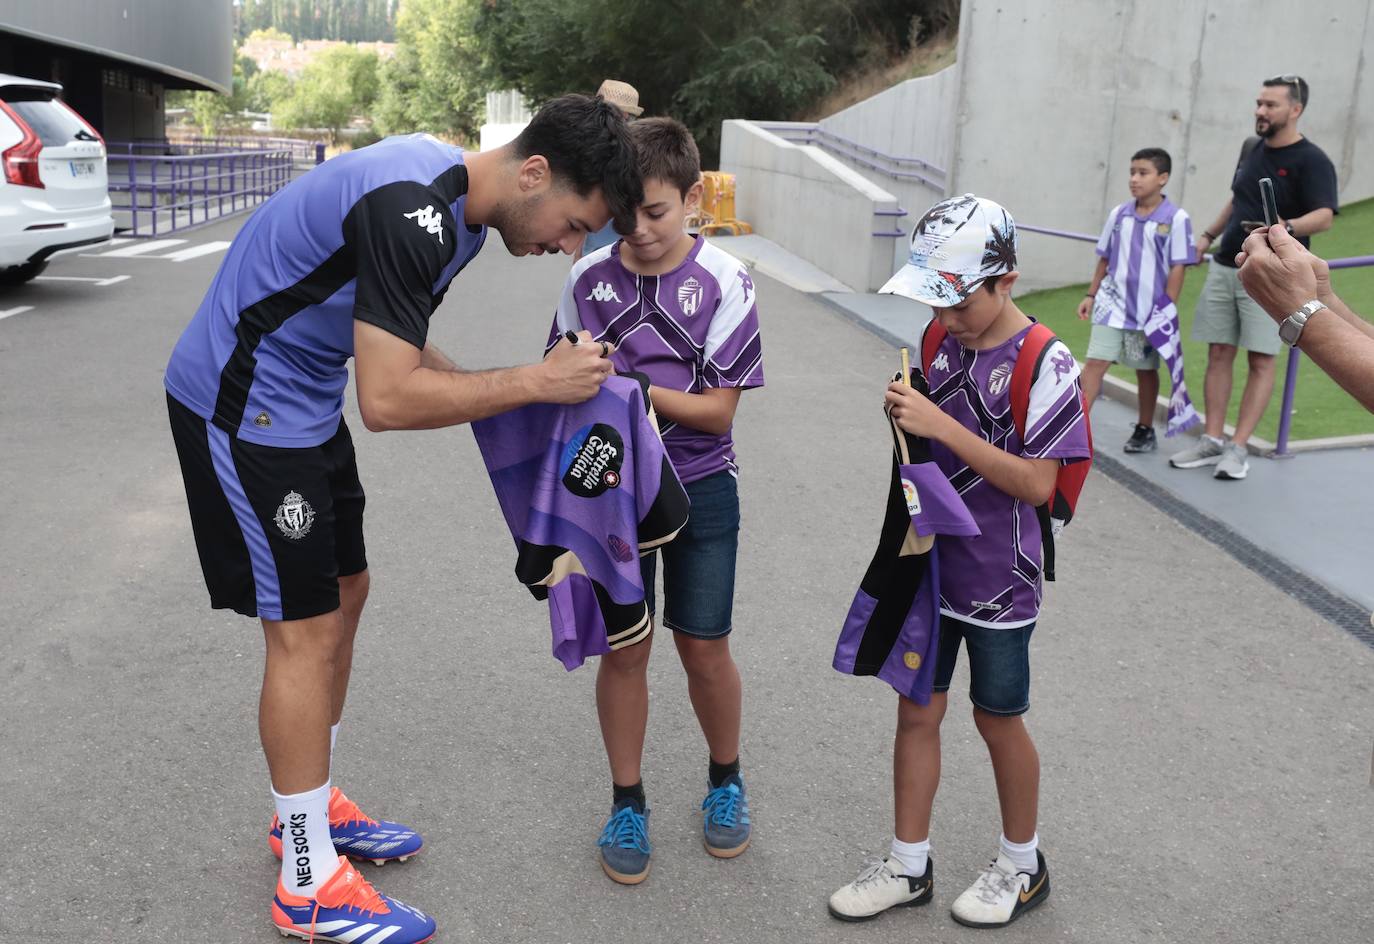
1205,738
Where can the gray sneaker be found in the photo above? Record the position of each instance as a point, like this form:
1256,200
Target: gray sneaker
1234,464
1208,451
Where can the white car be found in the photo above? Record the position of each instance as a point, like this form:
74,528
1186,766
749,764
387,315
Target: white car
54,194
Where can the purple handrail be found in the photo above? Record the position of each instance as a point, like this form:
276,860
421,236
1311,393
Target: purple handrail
182,184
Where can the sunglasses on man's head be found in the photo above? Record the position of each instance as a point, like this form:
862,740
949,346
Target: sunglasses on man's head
1296,81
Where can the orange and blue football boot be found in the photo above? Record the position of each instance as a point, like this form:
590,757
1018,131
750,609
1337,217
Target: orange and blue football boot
358,835
348,909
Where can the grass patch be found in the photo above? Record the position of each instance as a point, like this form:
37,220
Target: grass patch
1320,408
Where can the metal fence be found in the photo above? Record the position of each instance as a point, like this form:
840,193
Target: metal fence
305,154
159,192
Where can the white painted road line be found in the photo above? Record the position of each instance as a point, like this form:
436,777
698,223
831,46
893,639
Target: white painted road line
80,278
112,280
141,248
15,311
204,249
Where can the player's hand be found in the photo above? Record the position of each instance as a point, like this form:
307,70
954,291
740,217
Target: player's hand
1278,273
914,412
1085,308
574,372
1203,244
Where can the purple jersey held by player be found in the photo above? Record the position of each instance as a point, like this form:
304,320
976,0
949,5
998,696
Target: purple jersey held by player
585,489
993,580
690,329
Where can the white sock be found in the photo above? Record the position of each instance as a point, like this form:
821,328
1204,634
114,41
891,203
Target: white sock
911,857
308,857
1219,440
333,737
1021,854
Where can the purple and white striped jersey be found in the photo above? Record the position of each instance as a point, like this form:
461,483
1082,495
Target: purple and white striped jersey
689,329
994,579
1139,254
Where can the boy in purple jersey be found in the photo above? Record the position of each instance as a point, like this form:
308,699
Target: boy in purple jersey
1145,246
682,312
963,264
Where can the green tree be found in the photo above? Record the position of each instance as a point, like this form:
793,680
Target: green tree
267,90
333,89
211,111
437,80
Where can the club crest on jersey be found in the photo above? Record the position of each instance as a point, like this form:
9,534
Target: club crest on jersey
592,460
294,516
1162,229
913,498
431,222
689,297
912,660
997,380
620,550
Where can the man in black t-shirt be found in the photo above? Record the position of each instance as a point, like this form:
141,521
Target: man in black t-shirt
1227,318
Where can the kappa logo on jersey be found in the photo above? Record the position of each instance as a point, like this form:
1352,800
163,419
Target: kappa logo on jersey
429,221
747,283
604,292
294,516
689,297
941,362
1062,363
997,380
592,459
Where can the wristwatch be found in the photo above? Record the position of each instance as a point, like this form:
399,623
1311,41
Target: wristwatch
1290,329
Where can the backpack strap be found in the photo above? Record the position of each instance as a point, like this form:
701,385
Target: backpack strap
1026,371
931,340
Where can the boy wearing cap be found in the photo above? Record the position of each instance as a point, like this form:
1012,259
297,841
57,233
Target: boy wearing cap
963,264
1145,245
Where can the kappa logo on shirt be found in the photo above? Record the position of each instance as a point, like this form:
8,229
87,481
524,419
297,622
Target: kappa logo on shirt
941,362
430,221
997,380
1062,362
689,297
604,292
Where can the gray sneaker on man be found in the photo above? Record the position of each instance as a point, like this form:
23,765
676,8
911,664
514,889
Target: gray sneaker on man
1208,451
1235,464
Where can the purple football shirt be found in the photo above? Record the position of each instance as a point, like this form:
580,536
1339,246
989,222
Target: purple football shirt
689,329
994,579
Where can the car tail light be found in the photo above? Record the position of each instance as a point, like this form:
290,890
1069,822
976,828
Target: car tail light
21,161
89,127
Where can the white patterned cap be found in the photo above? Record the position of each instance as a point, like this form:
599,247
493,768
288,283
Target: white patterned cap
956,246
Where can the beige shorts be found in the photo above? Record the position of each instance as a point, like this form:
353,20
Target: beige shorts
1122,346
1226,315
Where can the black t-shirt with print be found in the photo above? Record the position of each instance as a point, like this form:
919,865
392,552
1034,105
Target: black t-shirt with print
1304,180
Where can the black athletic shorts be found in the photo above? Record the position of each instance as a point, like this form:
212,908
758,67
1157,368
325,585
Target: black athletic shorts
275,528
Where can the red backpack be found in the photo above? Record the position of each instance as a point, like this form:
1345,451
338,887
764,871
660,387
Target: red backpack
1058,511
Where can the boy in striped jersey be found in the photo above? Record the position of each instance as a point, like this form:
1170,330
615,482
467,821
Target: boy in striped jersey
1144,248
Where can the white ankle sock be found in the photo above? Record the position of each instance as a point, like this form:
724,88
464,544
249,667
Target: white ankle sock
1021,854
910,857
308,857
333,737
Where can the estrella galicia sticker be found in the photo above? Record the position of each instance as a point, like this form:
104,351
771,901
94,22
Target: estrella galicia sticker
592,459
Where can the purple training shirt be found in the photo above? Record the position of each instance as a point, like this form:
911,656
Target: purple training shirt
690,329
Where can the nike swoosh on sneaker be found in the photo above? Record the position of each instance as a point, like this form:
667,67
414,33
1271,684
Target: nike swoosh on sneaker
1029,894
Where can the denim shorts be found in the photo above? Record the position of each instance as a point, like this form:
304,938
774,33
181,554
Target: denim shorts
998,664
699,564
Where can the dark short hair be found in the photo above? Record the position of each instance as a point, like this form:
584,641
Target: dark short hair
1297,87
1159,157
666,151
587,144
990,283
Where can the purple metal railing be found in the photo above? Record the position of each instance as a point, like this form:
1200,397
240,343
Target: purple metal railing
305,153
1290,383
168,192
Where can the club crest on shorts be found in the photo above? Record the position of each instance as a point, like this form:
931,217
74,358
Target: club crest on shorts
689,297
294,516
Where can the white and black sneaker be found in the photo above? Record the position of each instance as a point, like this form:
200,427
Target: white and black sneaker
1002,894
878,888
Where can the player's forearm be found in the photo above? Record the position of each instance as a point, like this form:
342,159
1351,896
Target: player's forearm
435,359
428,398
1174,286
1099,274
1030,480
1344,352
1318,221
1345,313
1214,231
709,414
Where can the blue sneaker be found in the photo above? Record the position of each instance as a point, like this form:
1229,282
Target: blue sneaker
348,909
625,843
358,835
725,818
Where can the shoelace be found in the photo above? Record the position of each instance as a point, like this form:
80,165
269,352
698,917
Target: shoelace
722,805
362,896
346,811
873,872
994,882
625,831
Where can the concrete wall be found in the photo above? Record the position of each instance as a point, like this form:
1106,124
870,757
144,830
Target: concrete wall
913,119
1055,96
810,203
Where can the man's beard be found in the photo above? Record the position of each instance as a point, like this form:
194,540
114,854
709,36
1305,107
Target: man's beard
512,221
1270,129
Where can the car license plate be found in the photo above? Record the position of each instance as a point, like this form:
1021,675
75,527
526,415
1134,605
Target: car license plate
82,168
